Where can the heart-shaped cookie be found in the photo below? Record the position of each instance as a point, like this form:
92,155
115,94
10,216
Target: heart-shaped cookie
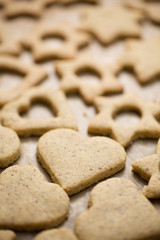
118,211
28,202
76,162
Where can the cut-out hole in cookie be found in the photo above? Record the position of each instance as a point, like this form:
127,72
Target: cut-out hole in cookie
9,79
53,40
88,75
38,110
127,117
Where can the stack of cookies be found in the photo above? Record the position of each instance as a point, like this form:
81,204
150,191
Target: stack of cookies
80,111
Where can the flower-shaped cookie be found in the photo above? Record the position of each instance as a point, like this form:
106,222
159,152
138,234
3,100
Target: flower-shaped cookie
103,123
56,234
33,75
111,22
9,146
150,9
143,56
7,45
76,162
27,127
71,82
28,202
7,235
149,169
72,39
118,211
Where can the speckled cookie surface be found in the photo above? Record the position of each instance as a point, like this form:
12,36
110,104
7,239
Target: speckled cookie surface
56,234
118,211
143,56
26,127
7,235
28,202
149,169
104,123
71,82
111,22
76,162
9,146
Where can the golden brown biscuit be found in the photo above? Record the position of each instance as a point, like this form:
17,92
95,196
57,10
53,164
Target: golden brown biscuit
72,39
9,146
68,70
56,234
76,162
8,46
104,124
2,3
109,23
149,169
32,8
26,127
118,211
7,235
28,202
77,1
32,75
143,56
149,8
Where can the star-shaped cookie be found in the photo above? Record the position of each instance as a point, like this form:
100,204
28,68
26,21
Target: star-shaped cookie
111,22
149,169
72,40
144,57
71,82
104,124
150,9
7,44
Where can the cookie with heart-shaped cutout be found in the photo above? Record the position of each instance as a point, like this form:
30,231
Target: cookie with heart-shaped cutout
118,211
76,162
28,202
